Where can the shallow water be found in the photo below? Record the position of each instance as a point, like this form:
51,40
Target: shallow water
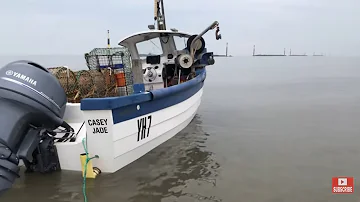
269,129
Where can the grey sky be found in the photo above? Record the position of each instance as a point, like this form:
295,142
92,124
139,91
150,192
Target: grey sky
77,26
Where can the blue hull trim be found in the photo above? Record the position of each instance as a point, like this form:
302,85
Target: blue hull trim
125,108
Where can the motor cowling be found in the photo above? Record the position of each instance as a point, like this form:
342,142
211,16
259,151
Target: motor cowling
32,102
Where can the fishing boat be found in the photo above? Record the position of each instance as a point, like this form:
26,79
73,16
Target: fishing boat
45,131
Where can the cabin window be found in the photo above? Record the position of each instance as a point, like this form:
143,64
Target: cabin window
149,47
180,42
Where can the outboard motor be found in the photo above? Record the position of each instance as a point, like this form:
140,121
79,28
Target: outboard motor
32,105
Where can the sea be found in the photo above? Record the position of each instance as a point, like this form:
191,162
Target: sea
269,129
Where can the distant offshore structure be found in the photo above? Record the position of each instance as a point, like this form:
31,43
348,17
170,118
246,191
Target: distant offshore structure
284,54
290,54
226,52
317,54
254,53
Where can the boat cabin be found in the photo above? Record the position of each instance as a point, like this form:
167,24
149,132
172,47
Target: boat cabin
154,55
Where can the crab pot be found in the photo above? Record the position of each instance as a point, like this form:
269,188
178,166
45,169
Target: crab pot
85,84
67,79
99,83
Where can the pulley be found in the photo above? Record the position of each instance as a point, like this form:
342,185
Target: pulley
185,61
150,74
199,44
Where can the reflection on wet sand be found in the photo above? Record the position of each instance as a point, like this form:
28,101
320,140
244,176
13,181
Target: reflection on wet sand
172,171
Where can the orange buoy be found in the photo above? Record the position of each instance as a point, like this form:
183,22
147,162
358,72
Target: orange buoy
120,79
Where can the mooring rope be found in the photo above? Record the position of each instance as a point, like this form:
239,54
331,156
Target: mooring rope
85,167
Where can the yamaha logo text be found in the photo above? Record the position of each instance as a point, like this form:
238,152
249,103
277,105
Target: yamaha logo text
21,76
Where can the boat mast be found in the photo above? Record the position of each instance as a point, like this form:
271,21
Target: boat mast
159,14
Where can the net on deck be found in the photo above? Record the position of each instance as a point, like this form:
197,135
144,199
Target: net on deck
67,79
86,83
109,75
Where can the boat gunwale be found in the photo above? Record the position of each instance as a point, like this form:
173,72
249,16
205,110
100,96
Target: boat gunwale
111,103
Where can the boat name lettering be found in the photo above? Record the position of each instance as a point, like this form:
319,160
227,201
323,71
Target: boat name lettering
144,125
98,122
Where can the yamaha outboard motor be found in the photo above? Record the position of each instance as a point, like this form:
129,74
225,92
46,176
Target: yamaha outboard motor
32,105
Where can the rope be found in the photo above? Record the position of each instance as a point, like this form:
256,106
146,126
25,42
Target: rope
85,167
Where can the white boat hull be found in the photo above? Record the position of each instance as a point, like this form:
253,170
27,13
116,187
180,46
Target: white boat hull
119,144
172,121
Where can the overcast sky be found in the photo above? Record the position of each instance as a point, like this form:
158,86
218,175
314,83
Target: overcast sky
77,26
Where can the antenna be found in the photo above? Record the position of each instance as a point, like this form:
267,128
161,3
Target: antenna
108,39
159,14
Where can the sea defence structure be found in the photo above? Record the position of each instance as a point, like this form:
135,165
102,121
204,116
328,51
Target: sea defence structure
254,53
